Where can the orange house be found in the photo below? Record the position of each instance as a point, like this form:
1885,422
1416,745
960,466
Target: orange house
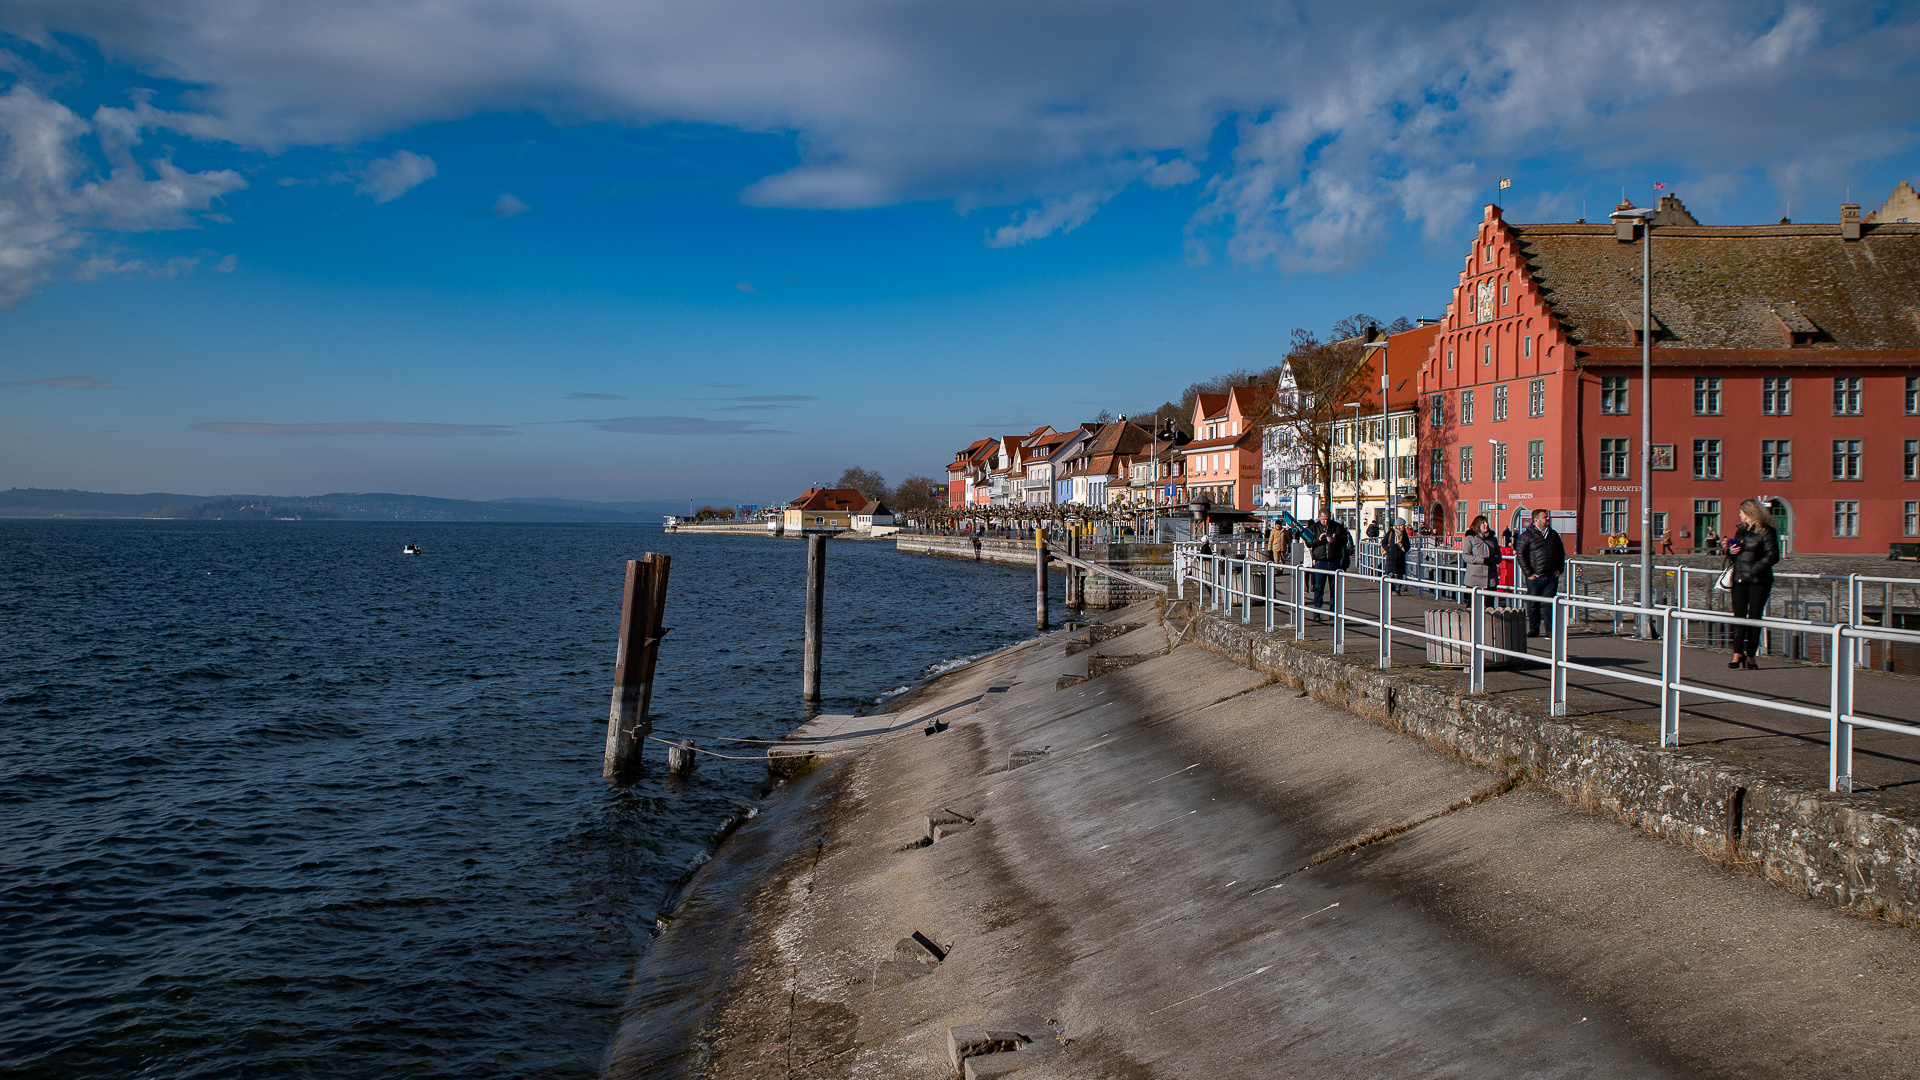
1223,460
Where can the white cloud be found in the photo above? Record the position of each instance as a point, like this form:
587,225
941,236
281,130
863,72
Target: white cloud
52,200
507,206
1340,119
388,178
359,427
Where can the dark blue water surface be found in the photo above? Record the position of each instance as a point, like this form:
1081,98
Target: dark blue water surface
278,801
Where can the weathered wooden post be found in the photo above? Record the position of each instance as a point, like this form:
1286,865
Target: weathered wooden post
641,608
1040,579
816,586
1074,581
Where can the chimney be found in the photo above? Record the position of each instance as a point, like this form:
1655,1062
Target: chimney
1849,221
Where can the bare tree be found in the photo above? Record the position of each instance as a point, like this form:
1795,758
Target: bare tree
1324,375
915,493
865,481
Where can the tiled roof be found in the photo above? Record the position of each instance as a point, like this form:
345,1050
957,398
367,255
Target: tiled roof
1733,287
829,499
1221,443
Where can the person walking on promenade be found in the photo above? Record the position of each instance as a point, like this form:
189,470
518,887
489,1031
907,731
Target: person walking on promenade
1754,548
1538,558
1395,551
1373,530
1331,547
1478,556
1666,542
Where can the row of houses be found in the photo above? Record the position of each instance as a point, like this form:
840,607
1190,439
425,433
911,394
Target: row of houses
1785,364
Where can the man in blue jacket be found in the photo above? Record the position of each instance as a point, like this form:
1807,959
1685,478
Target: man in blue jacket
1331,547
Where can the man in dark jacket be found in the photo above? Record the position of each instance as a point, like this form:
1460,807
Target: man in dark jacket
1329,547
1538,558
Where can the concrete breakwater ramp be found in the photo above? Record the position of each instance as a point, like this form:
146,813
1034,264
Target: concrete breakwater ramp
1183,867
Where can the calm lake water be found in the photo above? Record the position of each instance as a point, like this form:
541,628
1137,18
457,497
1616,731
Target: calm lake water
278,801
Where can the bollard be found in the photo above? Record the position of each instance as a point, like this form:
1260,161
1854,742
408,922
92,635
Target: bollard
1074,585
641,607
1039,579
816,586
681,758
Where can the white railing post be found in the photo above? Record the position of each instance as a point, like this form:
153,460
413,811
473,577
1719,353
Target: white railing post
1298,584
1618,581
1339,611
1246,590
1476,636
1268,597
1179,574
1856,597
1386,622
1557,649
1672,630
1840,708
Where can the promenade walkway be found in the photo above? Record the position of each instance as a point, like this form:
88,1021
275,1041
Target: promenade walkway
1883,761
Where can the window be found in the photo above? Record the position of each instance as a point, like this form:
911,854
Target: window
1437,411
1659,523
1913,395
1776,396
1437,466
1613,458
1911,521
1460,521
1613,395
1613,516
1706,397
1846,517
1500,402
1706,459
1486,354
1776,459
1500,463
1466,406
1846,398
1503,294
1526,346
1449,359
1911,463
1536,459
1466,464
1846,460
1537,398
1489,252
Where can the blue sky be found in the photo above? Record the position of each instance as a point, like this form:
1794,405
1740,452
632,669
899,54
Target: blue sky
289,248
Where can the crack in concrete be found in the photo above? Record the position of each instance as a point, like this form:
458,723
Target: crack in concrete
1388,832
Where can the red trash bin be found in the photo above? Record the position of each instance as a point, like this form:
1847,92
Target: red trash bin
1506,568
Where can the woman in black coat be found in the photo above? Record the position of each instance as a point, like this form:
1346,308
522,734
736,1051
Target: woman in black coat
1754,547
1395,549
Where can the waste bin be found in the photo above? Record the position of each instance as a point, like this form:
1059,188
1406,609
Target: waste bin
1501,628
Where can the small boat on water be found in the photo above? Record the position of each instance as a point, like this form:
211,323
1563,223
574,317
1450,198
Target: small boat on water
410,549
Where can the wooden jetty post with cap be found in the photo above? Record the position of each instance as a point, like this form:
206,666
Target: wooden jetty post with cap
1075,583
1040,579
816,586
641,608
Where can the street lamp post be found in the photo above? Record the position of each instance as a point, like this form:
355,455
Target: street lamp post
1645,218
1359,489
1376,342
1493,472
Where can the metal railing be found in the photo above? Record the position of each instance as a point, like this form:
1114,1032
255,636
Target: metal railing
1220,580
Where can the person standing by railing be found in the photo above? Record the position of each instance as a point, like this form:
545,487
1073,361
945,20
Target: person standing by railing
1480,560
1394,548
1538,558
1754,548
1331,546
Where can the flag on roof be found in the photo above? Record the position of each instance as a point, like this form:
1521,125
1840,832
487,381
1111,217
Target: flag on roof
1505,184
1659,187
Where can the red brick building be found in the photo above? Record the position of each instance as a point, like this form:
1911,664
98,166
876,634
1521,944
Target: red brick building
1786,366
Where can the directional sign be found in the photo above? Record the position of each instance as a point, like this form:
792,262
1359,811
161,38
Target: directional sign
1615,487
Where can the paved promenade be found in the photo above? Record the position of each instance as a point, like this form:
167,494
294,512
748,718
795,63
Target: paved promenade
1882,760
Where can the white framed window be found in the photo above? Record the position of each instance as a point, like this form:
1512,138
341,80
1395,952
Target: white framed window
1910,519
1614,454
1466,464
1613,395
1776,459
1706,459
1846,459
1846,396
1437,466
1466,406
1536,459
1499,463
1500,402
1776,396
1706,397
1537,397
1846,517
1613,516
1486,354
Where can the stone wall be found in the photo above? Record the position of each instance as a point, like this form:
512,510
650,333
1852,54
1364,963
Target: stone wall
1154,562
1854,851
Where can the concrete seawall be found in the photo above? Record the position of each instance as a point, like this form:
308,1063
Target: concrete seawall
1136,853
1854,851
1153,562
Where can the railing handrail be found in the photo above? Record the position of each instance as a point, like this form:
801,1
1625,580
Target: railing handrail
1843,654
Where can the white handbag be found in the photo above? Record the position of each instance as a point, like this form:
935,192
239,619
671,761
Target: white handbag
1725,581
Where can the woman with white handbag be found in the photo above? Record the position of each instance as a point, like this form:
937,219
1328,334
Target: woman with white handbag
1753,549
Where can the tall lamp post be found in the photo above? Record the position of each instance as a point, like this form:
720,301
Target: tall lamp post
1623,228
1493,472
1376,342
1359,490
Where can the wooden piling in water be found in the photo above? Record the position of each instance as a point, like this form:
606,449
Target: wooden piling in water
1074,581
1039,579
641,608
816,586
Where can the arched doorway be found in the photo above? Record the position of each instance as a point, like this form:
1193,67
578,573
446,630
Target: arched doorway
1437,519
1518,522
1783,521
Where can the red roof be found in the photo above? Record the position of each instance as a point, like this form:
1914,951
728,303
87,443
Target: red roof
829,499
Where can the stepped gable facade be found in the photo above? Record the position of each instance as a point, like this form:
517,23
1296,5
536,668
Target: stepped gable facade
1786,366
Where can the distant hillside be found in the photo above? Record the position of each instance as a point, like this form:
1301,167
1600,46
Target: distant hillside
368,506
